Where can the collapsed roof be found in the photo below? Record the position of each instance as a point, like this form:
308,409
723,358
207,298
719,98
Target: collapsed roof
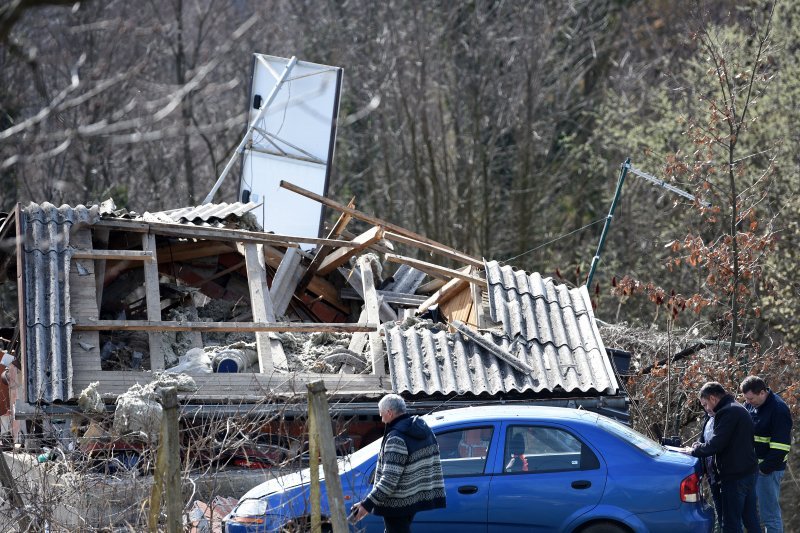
117,297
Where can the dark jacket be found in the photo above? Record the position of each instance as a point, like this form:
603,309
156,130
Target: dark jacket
731,443
408,478
772,424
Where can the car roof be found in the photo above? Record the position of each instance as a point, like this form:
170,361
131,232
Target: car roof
488,413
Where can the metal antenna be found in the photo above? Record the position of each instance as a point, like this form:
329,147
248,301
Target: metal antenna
626,167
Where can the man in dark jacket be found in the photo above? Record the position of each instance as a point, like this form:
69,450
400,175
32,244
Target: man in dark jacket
731,445
772,423
408,478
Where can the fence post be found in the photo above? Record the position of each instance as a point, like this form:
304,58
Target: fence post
318,403
167,476
313,464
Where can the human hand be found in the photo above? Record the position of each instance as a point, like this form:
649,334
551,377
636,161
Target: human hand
357,513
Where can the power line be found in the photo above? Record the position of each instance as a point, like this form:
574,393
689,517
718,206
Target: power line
554,240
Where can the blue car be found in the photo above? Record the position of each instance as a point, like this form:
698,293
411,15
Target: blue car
517,468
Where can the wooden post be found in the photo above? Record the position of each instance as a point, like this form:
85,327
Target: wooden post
371,305
153,299
313,464
261,306
167,475
318,403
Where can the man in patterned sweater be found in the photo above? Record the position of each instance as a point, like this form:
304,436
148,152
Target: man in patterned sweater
408,478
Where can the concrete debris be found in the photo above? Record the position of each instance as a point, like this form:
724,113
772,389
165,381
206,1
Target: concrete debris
90,400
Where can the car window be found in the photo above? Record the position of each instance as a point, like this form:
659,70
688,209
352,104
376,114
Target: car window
631,436
464,451
532,448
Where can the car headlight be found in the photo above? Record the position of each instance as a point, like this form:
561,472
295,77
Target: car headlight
249,512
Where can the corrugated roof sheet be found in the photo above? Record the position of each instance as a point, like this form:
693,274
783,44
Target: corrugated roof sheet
210,212
549,327
46,231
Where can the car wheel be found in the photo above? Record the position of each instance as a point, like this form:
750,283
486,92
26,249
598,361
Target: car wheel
604,527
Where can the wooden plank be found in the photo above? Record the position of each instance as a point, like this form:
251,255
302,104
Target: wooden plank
459,307
220,234
101,236
396,237
261,307
317,285
322,253
84,352
153,299
434,269
286,279
342,255
318,405
450,289
243,387
373,315
375,221
253,327
491,347
353,277
186,251
358,341
432,286
120,255
218,275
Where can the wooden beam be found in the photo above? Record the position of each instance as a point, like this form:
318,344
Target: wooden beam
341,256
491,347
375,221
244,387
396,237
434,269
147,325
371,306
353,277
285,281
317,285
450,289
111,255
153,299
261,306
186,251
322,253
219,234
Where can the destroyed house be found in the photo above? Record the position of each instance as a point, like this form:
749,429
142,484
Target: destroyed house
115,298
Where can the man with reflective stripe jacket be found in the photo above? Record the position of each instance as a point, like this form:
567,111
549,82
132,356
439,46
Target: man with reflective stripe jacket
772,423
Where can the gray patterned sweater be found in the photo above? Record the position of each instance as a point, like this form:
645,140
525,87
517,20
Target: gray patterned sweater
408,478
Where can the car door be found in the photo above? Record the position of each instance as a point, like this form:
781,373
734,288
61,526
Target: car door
466,451
545,477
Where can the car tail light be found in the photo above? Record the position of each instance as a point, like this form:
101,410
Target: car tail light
690,489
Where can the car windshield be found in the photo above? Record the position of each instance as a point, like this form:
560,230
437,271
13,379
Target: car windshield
630,435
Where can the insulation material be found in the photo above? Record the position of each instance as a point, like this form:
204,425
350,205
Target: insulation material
138,412
196,361
307,351
181,382
90,400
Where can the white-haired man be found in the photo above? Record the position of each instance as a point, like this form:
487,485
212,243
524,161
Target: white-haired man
408,478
